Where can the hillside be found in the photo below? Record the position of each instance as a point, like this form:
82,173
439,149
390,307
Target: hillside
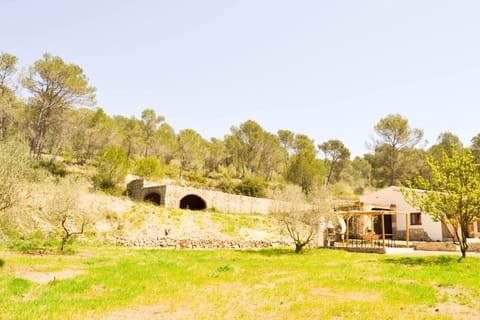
136,223
119,220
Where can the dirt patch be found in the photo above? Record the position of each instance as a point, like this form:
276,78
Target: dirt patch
270,286
149,312
46,277
451,307
354,296
456,311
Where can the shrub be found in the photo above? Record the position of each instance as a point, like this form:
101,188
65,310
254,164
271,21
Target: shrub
359,191
111,170
34,243
147,167
194,177
226,185
252,186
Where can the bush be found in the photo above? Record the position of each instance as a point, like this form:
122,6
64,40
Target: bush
56,168
147,168
359,191
252,186
68,159
35,243
111,170
226,185
194,177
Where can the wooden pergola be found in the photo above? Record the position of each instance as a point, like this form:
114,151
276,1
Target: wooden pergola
347,215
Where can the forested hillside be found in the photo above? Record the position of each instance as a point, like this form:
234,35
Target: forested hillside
50,106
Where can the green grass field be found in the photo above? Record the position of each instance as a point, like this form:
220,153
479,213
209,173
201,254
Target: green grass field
121,283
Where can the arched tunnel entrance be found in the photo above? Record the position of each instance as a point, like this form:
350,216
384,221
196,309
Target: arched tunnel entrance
193,202
153,198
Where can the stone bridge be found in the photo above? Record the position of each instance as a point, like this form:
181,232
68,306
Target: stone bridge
174,197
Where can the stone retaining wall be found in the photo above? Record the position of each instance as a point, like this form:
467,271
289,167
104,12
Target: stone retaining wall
171,243
474,247
413,235
434,246
444,246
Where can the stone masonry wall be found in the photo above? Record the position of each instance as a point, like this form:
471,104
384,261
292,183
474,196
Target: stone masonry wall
220,201
171,243
413,235
171,195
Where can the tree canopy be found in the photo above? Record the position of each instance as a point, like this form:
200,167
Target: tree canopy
55,88
394,146
54,114
452,195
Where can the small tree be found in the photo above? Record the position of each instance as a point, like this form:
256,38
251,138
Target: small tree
112,169
301,217
14,165
301,226
452,196
64,213
147,167
336,158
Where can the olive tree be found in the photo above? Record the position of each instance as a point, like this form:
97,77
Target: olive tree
64,213
300,215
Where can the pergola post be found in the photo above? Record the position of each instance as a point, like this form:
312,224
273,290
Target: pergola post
407,231
346,229
373,230
383,230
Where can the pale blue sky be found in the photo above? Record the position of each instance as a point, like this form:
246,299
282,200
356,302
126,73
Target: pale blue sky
328,69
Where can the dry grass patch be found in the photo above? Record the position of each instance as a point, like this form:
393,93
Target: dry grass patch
159,311
350,296
46,277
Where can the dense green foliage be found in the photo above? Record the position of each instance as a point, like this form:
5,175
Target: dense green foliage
252,186
452,194
14,167
53,113
112,168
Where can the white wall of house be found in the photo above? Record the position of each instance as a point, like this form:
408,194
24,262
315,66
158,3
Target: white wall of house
432,228
387,197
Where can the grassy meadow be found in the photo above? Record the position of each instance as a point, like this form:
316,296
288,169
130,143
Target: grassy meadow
122,283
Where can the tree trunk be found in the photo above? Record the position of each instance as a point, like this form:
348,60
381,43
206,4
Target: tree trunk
298,247
462,239
64,242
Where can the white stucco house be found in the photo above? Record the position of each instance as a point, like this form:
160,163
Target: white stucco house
420,225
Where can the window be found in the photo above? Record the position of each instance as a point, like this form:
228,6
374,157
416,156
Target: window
415,218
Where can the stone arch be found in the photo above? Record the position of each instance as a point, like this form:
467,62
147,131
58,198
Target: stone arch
193,202
154,198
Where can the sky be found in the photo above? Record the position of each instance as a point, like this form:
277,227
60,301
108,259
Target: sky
328,69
